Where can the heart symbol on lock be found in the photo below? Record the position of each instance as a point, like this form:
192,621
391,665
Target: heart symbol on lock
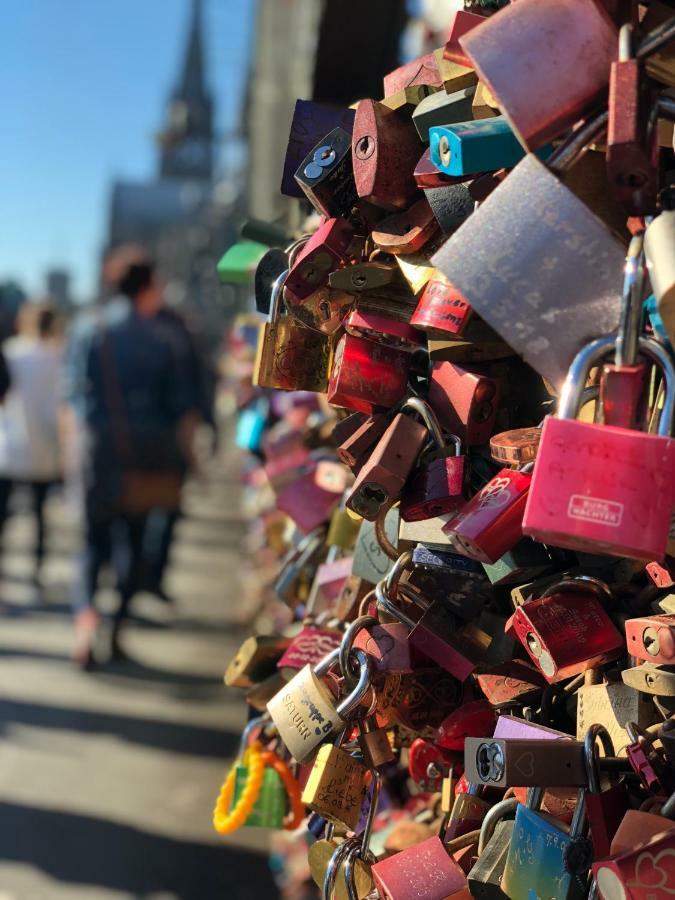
651,874
525,765
380,644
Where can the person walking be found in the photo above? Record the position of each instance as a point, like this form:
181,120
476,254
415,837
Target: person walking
128,394
29,438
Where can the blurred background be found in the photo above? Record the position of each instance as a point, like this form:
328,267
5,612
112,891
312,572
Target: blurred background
161,123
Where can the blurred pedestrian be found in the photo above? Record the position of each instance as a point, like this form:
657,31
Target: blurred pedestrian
29,440
162,522
128,392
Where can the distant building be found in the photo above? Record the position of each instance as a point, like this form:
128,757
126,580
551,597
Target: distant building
177,214
57,283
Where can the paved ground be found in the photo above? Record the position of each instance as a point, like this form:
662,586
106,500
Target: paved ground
107,780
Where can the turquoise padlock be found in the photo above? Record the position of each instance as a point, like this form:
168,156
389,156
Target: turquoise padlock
482,145
272,803
251,425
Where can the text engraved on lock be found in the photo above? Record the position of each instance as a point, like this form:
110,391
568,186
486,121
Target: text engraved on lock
336,786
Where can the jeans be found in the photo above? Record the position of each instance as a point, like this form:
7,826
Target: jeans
38,493
117,538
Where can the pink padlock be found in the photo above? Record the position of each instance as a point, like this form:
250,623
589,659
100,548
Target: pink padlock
423,872
599,488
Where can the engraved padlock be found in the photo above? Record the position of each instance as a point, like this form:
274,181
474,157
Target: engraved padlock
586,487
442,310
305,711
290,357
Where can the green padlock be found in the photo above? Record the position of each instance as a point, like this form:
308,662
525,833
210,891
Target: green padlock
272,803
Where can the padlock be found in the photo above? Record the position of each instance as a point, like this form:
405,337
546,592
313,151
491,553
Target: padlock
356,435
512,762
585,487
367,276
659,243
645,872
451,578
428,765
371,562
496,832
385,148
422,70
473,718
405,232
310,499
515,447
437,485
545,857
329,856
375,744
652,639
383,476
425,871
483,105
470,147
407,98
566,631
524,561
468,812
251,423
308,648
270,807
490,524
606,805
465,400
442,108
326,175
546,86
630,143
649,763
435,633
301,557
323,310
367,376
511,683
420,700
255,660
530,306
305,712
327,249
310,122
289,356
461,22
454,75
426,174
387,645
441,310
336,786
450,205
387,330
650,679
612,705
349,600
662,574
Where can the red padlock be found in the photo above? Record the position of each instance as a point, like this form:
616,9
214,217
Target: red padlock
461,23
645,872
382,329
588,490
474,719
358,439
567,632
422,70
465,401
491,522
326,250
428,764
367,376
387,645
652,638
310,499
441,310
308,648
436,487
385,149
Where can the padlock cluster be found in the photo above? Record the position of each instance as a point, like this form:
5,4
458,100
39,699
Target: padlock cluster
471,489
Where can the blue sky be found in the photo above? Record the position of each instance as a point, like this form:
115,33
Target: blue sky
83,88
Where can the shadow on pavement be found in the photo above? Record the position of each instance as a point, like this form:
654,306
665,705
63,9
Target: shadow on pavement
173,737
83,850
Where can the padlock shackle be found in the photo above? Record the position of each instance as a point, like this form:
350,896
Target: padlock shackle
593,353
656,39
251,726
493,816
595,733
393,577
347,644
626,42
581,584
428,416
293,249
275,301
578,142
628,335
334,864
352,701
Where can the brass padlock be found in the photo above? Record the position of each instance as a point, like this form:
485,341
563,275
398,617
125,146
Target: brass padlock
289,356
336,786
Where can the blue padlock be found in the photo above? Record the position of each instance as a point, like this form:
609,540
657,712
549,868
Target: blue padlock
655,320
482,145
